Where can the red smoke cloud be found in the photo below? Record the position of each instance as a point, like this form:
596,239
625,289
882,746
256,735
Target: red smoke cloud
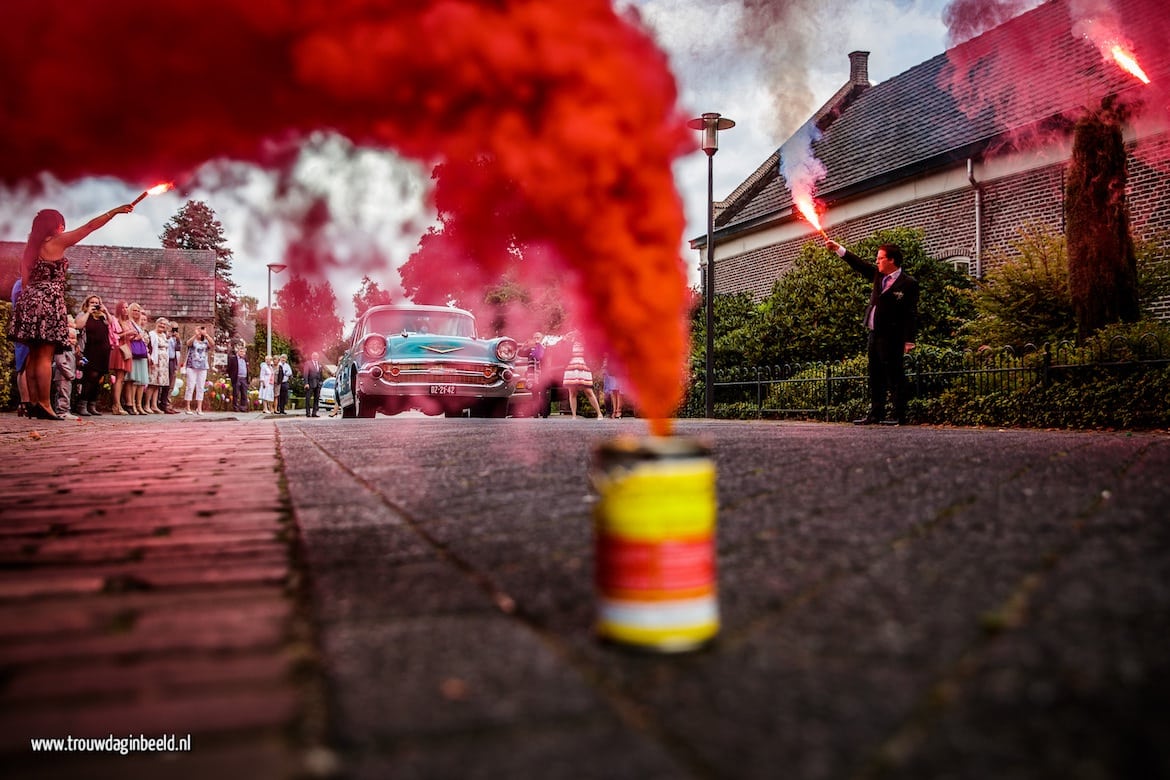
567,108
1054,63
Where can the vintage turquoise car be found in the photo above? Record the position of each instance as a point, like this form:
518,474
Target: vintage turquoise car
427,358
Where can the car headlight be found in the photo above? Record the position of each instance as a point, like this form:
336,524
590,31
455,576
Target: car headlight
506,350
374,347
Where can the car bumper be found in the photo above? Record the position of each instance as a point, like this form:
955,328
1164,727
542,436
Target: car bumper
437,386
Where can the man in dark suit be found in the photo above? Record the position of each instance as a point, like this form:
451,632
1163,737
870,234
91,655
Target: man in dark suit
892,320
314,376
237,370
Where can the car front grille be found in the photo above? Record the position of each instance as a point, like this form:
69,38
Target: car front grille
441,374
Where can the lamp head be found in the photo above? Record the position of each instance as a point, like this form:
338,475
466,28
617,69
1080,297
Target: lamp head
711,123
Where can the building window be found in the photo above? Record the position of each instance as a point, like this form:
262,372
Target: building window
959,263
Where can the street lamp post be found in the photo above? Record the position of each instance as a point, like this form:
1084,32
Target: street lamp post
710,124
272,268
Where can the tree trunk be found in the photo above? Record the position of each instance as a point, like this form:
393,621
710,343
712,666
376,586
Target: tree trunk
1102,266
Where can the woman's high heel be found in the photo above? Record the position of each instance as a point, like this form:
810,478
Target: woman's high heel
39,412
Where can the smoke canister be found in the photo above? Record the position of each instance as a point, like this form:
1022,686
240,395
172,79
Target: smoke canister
654,528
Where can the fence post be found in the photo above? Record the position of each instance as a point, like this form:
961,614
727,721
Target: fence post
1044,379
759,396
828,388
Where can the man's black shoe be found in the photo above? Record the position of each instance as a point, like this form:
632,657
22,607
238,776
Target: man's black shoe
866,421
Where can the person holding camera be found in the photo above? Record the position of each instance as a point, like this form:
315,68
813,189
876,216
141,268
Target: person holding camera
96,340
195,368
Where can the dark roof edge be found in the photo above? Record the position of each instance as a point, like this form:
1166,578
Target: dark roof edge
950,157
824,116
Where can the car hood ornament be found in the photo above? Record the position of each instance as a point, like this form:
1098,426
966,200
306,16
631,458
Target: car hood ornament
441,350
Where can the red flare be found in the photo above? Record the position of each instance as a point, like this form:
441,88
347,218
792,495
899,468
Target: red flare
1129,63
808,211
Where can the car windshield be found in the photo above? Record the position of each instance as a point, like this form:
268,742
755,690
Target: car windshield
435,323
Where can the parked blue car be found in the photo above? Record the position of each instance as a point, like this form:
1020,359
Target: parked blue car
427,358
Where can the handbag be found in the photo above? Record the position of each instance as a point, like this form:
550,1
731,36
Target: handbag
127,354
138,349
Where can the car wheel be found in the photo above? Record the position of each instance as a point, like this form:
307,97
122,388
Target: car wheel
363,407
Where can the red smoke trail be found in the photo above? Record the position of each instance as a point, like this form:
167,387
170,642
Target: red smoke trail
566,106
1054,63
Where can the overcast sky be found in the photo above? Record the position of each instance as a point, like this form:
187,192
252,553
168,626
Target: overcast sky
766,64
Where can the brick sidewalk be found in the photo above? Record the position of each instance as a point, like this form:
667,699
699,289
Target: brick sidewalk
146,589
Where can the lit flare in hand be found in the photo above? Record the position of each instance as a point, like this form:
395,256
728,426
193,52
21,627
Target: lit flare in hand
157,189
808,210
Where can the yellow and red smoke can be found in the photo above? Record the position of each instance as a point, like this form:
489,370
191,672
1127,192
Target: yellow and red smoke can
654,533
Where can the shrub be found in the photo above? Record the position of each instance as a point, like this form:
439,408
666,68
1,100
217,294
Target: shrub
7,360
1025,299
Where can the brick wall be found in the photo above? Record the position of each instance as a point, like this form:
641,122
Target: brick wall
948,220
1149,188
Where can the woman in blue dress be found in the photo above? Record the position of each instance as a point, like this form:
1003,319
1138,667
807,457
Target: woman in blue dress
39,318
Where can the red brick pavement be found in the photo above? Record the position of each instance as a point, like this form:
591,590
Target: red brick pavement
146,588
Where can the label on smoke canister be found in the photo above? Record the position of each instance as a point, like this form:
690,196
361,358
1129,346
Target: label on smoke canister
654,526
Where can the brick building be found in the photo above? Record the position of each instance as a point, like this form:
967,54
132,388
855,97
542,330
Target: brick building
178,284
970,147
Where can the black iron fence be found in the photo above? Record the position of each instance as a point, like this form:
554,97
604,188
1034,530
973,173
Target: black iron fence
835,391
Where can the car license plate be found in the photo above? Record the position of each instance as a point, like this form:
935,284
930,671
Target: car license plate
442,389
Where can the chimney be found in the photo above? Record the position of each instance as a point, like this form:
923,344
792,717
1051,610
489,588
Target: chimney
859,67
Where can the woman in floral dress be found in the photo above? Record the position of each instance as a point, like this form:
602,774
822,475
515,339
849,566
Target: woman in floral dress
39,317
160,370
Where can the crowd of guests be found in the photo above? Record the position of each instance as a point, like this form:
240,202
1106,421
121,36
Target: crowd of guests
141,360
147,366
63,359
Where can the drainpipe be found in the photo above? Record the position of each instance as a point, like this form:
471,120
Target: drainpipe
978,218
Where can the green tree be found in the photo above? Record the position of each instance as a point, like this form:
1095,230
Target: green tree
513,308
736,324
194,226
281,345
310,320
1102,266
815,309
370,294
